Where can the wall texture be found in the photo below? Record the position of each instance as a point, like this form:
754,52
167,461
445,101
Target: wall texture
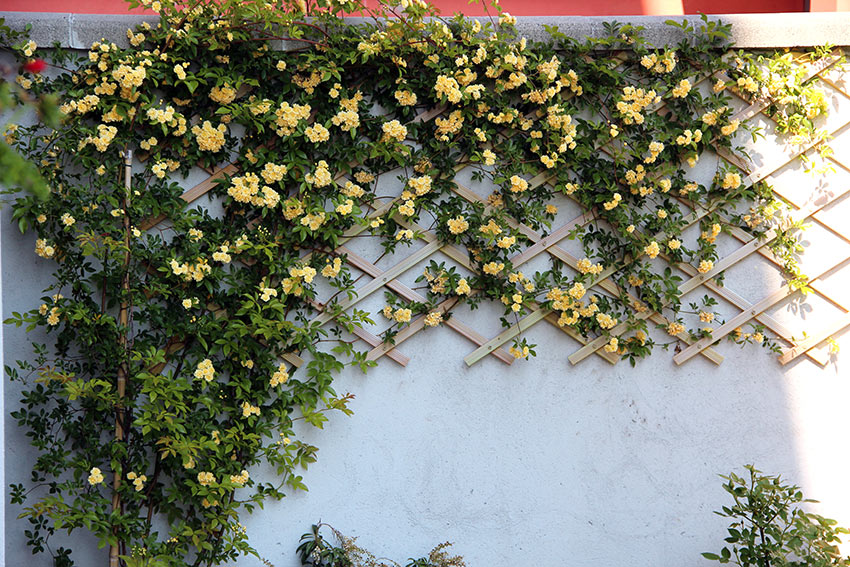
545,463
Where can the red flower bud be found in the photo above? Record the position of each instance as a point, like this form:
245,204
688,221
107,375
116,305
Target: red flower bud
35,66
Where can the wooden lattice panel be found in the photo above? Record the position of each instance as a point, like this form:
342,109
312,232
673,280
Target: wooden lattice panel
550,245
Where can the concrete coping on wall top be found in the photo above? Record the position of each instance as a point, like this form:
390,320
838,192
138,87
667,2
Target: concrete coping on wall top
79,31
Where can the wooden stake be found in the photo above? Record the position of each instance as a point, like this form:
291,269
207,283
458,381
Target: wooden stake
123,317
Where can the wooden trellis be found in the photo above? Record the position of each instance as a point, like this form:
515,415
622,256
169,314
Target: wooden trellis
549,245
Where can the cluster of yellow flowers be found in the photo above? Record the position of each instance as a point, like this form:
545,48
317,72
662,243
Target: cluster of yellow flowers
682,89
521,279
129,77
655,148
506,242
149,143
437,283
652,249
351,189
558,119
321,177
105,135
313,221
491,229
347,120
240,479
747,84
136,39
205,370
420,185
161,167
688,188
710,118
740,335
675,328
664,64
705,266
462,287
279,377
266,293
633,101
210,139
317,133
448,126
448,87
29,48
248,410
224,94
457,225
514,302
331,270
298,275
585,266
405,98
82,106
731,180
636,175
170,117
191,272
711,236
615,200
688,137
518,184
493,268
612,346
206,478
53,317
606,321
43,249
246,189
730,128
308,82
570,304
433,318
400,315
222,254
287,117
138,480
393,130
95,476
518,353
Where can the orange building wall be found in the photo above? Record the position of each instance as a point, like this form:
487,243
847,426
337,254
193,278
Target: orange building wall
515,7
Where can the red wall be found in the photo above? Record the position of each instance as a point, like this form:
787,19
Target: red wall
515,7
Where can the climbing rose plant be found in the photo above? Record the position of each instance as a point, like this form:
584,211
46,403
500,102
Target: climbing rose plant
182,341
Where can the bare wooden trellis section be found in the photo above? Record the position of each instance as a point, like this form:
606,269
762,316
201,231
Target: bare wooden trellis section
810,345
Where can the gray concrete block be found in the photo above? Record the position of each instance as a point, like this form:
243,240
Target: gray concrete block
46,27
89,28
748,30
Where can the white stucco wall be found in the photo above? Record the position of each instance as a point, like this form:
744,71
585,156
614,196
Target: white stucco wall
542,463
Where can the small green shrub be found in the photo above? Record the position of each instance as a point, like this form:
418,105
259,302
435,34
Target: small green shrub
770,529
314,550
